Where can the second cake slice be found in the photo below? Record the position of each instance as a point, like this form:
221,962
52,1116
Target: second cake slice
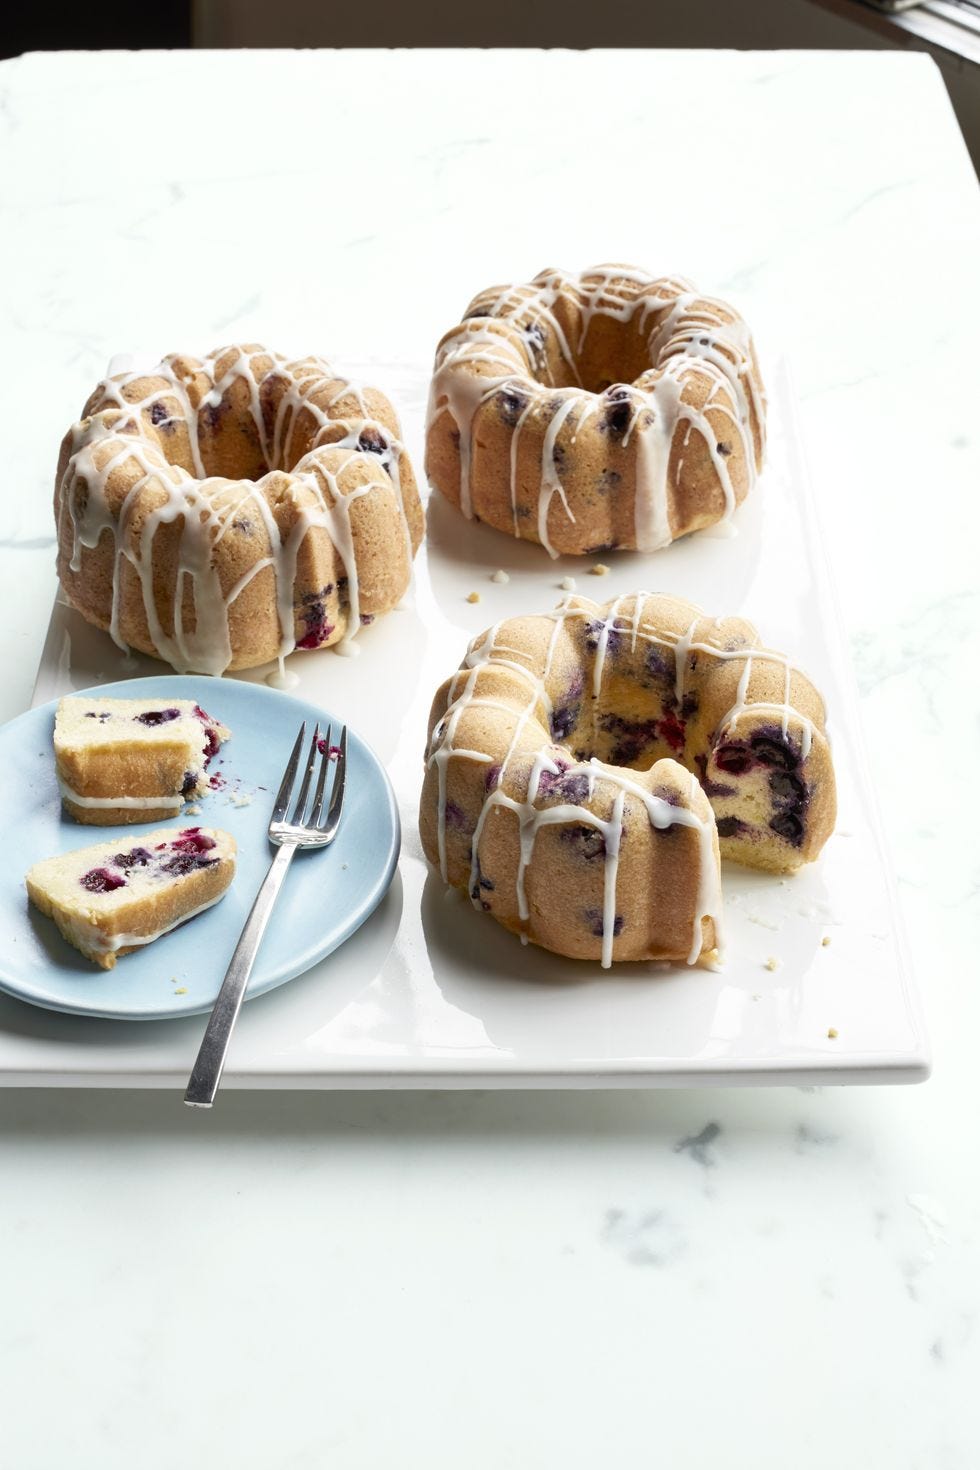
132,760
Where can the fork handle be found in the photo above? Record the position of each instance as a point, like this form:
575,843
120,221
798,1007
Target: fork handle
206,1075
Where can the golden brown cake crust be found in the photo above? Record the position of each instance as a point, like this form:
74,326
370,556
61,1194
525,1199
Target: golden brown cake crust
577,763
610,410
219,513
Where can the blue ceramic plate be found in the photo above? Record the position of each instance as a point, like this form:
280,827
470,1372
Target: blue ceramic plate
326,896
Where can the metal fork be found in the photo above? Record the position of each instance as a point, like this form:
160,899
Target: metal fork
301,829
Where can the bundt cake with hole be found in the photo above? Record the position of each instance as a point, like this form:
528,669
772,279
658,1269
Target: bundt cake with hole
584,766
112,898
595,412
132,760
219,513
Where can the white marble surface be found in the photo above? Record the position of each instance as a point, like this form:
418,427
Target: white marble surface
749,1279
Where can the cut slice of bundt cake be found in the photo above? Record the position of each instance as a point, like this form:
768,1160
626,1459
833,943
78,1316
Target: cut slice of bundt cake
110,899
132,760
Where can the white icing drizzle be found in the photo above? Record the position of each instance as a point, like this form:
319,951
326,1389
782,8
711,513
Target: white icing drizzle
692,340
206,507
129,803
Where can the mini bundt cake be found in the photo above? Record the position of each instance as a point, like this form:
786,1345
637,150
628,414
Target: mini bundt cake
609,410
584,766
220,513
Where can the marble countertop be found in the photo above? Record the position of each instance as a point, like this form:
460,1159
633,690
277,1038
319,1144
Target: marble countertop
752,1279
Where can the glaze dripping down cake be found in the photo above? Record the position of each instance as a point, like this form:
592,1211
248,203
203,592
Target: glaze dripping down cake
219,513
114,897
132,760
584,768
593,412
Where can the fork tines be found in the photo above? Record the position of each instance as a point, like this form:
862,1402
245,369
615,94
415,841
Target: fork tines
322,749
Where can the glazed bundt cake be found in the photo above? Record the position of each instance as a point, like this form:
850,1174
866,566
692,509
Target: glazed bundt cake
584,766
608,410
220,513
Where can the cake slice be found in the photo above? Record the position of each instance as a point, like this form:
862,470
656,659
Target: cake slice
132,760
112,898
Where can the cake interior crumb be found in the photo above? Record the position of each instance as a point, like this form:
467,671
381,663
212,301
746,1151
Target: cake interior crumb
832,1033
473,597
772,963
181,990
825,940
499,576
567,584
599,570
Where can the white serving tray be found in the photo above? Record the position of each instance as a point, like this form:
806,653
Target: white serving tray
430,993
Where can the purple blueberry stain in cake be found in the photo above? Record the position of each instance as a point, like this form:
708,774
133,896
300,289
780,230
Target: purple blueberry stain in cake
511,404
456,817
608,480
243,525
188,784
723,447
101,880
689,706
771,748
139,857
211,742
787,788
709,787
632,739
660,663
788,826
192,839
730,826
597,924
735,759
619,415
366,619
103,715
588,841
186,862
491,778
564,716
157,716
160,416
668,795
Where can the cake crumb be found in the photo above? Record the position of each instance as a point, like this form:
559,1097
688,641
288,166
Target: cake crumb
825,940
181,990
568,584
772,963
343,865
832,1033
192,811
473,597
500,576
599,570
239,798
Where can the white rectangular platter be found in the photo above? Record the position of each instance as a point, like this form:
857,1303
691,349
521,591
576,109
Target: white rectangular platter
815,987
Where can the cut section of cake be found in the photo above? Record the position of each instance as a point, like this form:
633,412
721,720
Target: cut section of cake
111,898
132,760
